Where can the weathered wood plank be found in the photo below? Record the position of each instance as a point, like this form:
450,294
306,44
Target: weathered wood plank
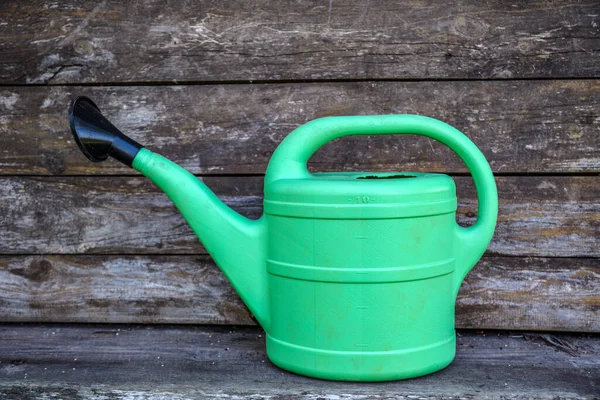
76,41
500,293
117,289
104,361
106,215
521,126
539,216
553,294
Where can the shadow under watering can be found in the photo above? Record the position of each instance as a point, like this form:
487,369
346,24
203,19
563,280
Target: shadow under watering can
352,275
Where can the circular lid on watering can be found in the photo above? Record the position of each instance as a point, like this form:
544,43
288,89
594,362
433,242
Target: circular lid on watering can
361,195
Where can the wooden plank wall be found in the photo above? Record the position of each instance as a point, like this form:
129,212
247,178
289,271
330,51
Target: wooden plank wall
215,86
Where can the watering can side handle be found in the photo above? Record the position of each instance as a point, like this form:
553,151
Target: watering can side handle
471,242
290,158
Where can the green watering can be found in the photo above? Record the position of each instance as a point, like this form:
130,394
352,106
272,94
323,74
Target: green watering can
352,275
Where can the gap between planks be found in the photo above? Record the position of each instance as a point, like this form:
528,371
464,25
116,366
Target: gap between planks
292,81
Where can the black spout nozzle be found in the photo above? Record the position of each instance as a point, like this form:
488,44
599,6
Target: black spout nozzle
96,137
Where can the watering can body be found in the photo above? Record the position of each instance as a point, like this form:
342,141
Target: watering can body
353,276
361,274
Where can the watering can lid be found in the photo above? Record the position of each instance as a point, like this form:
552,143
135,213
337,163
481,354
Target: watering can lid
362,195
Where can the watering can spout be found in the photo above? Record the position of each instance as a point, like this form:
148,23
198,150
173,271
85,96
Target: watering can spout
236,243
96,137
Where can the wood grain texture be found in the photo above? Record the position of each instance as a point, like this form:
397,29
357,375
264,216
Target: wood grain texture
117,289
539,216
552,294
104,362
517,293
520,126
111,41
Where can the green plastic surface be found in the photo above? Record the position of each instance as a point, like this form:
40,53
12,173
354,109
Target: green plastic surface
353,276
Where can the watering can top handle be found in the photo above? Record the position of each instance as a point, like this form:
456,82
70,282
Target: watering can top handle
290,158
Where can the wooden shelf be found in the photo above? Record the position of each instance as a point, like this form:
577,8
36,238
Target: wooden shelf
190,362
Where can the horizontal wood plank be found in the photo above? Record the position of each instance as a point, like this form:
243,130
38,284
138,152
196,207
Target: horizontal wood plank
552,294
113,41
500,293
520,126
99,362
118,289
539,216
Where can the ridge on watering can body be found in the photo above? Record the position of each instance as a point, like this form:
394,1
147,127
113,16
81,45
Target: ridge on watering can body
362,195
353,276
